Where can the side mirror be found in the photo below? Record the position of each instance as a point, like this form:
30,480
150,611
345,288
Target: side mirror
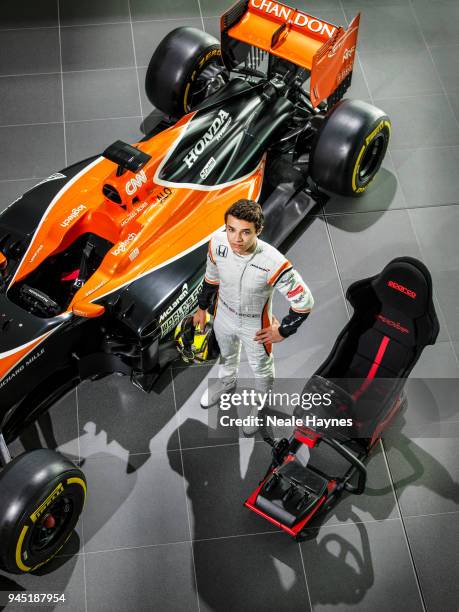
88,310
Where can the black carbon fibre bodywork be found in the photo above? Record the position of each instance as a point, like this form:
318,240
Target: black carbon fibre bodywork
225,143
19,221
133,337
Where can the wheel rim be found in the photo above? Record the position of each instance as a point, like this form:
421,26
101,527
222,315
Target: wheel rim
371,159
51,527
210,80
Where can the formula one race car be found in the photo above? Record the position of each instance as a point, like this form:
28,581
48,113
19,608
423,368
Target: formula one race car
363,378
100,261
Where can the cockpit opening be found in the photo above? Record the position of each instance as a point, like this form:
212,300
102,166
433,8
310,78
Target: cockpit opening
50,288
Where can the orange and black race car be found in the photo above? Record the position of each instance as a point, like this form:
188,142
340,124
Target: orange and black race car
100,261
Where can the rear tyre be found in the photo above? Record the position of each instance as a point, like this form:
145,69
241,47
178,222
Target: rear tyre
350,148
41,498
185,68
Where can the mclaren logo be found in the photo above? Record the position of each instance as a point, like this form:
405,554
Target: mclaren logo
123,246
171,318
175,303
73,215
216,126
136,182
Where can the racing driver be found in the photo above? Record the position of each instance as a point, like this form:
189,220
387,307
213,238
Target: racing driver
245,270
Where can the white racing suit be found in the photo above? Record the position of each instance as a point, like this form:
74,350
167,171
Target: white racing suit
245,286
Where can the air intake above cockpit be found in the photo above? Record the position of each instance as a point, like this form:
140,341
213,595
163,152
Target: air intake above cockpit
126,156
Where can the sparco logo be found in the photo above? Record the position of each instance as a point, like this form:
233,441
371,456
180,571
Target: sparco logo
402,289
203,142
123,246
136,182
73,215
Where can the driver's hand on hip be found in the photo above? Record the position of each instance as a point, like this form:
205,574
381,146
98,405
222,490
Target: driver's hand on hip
269,334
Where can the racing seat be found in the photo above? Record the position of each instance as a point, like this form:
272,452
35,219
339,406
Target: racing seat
394,320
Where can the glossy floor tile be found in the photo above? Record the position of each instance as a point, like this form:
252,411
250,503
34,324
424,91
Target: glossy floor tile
30,51
361,566
45,146
364,243
424,469
164,528
11,189
97,46
85,94
412,121
64,575
436,536
87,138
31,99
143,579
428,176
389,77
86,12
260,572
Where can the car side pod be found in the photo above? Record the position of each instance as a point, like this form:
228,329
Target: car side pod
362,378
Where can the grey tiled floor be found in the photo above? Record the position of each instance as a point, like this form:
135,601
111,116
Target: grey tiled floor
164,528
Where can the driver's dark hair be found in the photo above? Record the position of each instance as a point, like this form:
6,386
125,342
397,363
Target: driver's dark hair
247,210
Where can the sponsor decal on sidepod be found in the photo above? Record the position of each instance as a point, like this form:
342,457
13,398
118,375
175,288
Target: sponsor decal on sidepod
123,246
73,215
170,318
199,148
134,183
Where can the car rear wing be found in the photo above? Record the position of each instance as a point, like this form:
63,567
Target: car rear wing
325,50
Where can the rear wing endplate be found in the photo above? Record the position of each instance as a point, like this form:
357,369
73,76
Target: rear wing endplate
324,49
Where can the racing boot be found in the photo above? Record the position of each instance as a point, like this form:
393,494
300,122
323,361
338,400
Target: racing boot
215,390
254,420
256,414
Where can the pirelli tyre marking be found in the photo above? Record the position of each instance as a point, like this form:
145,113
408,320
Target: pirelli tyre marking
21,555
381,125
206,57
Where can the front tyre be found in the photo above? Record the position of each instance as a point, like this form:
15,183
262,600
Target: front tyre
350,148
41,498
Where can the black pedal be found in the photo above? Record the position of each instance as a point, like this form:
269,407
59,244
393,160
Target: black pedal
291,493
